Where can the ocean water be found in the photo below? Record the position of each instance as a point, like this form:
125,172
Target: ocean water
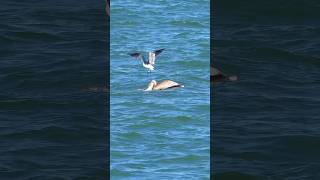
266,125
52,126
164,134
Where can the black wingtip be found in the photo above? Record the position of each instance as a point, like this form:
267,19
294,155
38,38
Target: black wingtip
158,51
136,54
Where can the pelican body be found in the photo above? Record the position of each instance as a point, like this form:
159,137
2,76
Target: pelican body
166,84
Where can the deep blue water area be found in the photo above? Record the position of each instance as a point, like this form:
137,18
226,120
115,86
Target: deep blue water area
266,125
52,126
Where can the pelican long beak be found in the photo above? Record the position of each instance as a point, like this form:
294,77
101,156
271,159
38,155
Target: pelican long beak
149,88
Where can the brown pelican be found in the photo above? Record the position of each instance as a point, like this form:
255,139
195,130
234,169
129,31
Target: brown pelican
166,84
216,75
149,64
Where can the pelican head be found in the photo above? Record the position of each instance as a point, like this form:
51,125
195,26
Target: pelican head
151,85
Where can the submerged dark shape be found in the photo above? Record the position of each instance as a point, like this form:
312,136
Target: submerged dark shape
216,76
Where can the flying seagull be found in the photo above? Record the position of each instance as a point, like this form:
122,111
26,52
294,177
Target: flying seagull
150,62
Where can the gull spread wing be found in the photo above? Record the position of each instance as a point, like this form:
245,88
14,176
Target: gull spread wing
152,56
139,56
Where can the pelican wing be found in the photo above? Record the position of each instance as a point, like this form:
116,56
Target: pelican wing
166,84
138,56
152,56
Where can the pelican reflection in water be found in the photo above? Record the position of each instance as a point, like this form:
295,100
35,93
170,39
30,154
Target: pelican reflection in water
216,75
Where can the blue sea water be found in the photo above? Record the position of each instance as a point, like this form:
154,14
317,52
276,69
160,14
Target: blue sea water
266,125
164,134
51,125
